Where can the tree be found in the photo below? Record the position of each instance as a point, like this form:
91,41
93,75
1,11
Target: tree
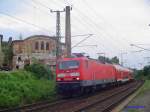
7,53
104,59
1,58
39,70
115,60
146,70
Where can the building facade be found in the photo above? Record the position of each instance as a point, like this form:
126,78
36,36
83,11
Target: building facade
38,47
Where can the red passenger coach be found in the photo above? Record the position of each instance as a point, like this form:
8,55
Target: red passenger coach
123,74
82,74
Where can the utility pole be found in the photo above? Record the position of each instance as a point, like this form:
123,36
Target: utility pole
58,36
68,31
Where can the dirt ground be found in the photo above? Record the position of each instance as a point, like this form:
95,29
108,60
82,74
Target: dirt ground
139,104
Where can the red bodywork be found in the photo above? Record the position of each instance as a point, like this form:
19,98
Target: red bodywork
123,74
88,69
91,72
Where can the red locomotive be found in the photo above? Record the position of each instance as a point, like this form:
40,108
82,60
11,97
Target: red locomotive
83,74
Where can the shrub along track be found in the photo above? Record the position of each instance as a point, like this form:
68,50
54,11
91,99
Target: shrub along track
100,102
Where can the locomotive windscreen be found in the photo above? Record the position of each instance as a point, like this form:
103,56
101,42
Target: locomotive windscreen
68,64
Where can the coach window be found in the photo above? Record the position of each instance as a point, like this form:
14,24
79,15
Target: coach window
47,46
42,45
36,45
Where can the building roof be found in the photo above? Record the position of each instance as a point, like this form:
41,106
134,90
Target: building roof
35,36
45,36
14,41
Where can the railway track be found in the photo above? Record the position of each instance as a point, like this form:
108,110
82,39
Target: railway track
100,102
107,103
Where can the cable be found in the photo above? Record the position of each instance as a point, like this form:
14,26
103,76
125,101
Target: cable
41,4
27,4
140,47
82,40
94,25
21,20
102,19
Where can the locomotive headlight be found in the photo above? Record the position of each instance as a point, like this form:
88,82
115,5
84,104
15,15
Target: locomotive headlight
60,75
75,74
78,78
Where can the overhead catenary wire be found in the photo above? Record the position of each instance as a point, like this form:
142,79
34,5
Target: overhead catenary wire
105,21
100,36
94,26
94,15
24,21
40,3
114,41
46,12
116,45
107,35
82,41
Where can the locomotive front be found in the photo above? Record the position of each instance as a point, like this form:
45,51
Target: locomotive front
68,76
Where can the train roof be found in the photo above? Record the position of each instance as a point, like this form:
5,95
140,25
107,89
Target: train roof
121,68
73,58
118,67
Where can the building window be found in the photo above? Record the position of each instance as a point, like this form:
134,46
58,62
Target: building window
47,46
36,45
42,45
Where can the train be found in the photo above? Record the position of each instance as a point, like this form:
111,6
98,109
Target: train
80,74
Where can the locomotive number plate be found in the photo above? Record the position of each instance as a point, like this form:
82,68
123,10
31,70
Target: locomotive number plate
68,78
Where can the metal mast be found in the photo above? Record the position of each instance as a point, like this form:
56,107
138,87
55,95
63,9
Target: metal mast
58,36
68,31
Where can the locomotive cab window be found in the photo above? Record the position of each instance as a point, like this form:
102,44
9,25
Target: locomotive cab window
68,64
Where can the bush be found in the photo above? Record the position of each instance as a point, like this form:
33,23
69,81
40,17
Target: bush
39,70
21,87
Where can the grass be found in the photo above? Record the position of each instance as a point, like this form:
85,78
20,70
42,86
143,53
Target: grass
22,87
145,88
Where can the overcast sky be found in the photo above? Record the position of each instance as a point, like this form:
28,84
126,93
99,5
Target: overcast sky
115,24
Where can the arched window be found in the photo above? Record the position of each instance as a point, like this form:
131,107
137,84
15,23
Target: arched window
42,45
36,45
47,46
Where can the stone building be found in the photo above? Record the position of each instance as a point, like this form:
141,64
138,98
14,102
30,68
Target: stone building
37,47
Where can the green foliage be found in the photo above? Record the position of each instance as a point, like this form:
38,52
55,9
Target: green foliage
115,60
8,53
144,73
39,70
104,59
21,87
145,87
137,100
108,60
1,58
